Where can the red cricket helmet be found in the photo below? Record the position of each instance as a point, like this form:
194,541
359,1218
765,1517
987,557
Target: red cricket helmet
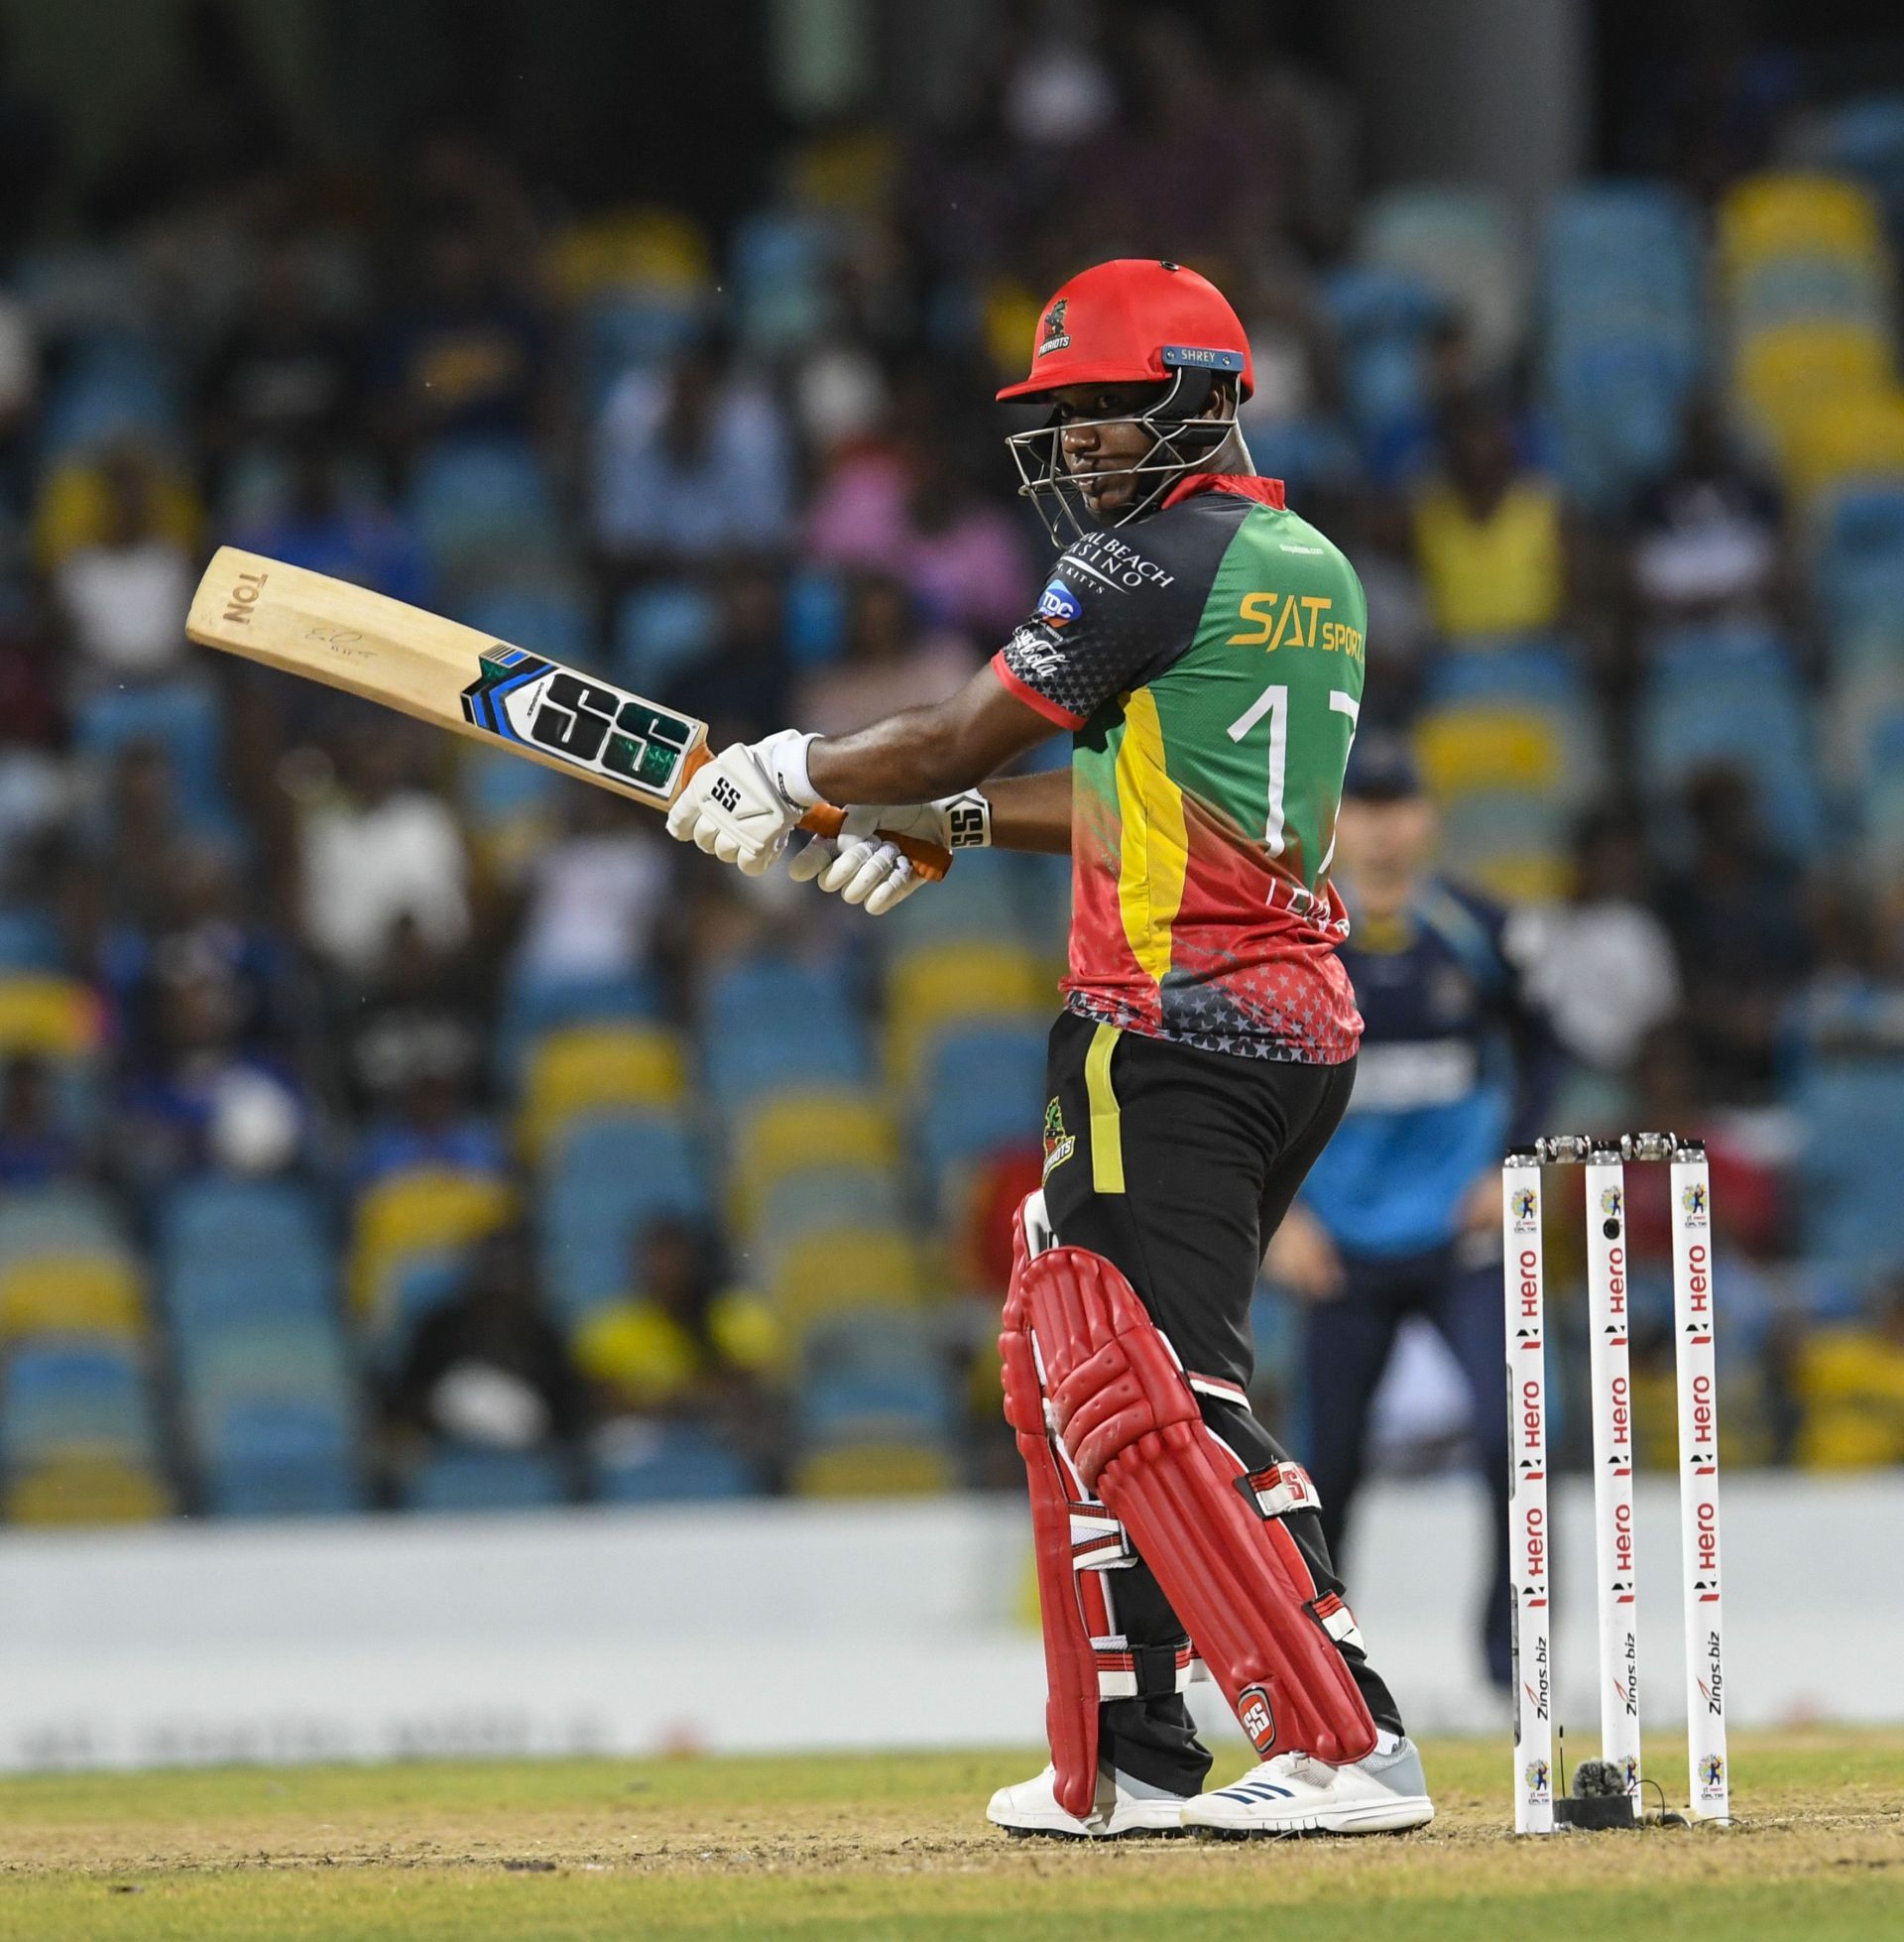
1130,320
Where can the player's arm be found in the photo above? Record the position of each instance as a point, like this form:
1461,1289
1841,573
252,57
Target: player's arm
1033,813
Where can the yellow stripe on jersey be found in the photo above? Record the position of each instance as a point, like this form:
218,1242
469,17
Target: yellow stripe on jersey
1155,849
1106,1122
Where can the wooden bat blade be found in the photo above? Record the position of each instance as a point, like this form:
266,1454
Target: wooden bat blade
438,670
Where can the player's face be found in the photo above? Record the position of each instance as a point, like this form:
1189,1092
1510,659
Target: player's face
1100,455
1383,847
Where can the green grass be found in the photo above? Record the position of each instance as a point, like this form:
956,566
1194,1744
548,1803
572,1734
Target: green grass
896,1846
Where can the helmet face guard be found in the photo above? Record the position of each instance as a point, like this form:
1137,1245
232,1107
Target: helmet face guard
1182,441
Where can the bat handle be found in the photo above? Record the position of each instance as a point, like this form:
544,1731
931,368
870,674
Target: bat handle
928,859
931,860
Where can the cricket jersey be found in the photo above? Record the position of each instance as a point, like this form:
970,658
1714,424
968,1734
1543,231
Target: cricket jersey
1209,663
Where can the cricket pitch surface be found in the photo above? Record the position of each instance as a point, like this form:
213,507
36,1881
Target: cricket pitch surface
897,1845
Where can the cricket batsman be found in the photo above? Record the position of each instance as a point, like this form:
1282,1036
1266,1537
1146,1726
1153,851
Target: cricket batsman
1204,647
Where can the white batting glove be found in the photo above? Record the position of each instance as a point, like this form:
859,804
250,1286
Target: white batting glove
741,806
864,868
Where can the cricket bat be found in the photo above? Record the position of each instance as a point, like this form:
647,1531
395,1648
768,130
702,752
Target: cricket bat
385,650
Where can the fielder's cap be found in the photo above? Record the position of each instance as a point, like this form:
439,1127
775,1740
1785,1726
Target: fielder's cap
1382,770
1134,320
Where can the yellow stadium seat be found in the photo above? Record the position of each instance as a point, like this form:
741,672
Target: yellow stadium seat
426,1210
1784,375
828,1274
70,1293
875,1470
791,1131
1490,748
1797,214
82,1489
591,1069
1847,440
645,249
55,1017
926,990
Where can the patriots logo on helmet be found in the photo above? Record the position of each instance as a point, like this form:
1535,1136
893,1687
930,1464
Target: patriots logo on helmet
1054,336
1058,606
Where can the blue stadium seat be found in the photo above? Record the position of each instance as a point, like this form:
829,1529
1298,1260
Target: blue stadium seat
1851,1131
546,620
56,1393
1725,694
684,1466
114,384
778,266
30,941
606,1180
814,616
483,511
660,630
775,1025
985,1089
537,1004
881,1379
281,1458
465,1479
1860,571
629,328
182,717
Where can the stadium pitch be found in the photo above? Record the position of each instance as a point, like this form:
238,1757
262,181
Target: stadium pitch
879,1846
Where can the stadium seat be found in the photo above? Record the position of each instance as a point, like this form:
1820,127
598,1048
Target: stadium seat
61,1219
984,1088
777,1026
548,620
683,1465
1795,215
418,1211
631,249
844,1269
462,1479
1845,440
82,1487
790,1132
536,1004
877,1378
52,1017
483,511
29,942
182,718
777,265
1461,243
876,1470
77,1294
61,1392
659,631
582,1069
828,1194
115,385
930,988
605,1183
280,1457
1851,1131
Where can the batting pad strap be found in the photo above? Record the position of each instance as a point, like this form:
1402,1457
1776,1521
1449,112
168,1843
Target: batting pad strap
1142,1671
1338,1621
1099,1542
1280,1488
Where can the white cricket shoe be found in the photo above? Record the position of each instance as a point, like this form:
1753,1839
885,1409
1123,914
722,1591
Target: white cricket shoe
1293,1793
1123,1806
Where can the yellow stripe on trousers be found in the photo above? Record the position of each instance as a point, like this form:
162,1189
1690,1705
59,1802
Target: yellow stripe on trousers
1107,1129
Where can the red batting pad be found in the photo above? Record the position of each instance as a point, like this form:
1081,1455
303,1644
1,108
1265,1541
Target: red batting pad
1070,1664
1130,1422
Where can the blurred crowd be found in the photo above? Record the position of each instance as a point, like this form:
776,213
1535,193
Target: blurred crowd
256,936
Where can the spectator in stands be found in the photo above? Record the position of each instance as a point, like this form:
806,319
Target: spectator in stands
125,591
739,686
690,463
1738,922
1707,537
1605,969
468,356
352,537
380,849
683,1345
488,1367
204,1100
285,374
596,897
889,663
1491,532
414,1034
35,1148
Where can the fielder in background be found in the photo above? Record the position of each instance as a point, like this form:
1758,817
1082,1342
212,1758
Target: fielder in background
1400,1217
1204,645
